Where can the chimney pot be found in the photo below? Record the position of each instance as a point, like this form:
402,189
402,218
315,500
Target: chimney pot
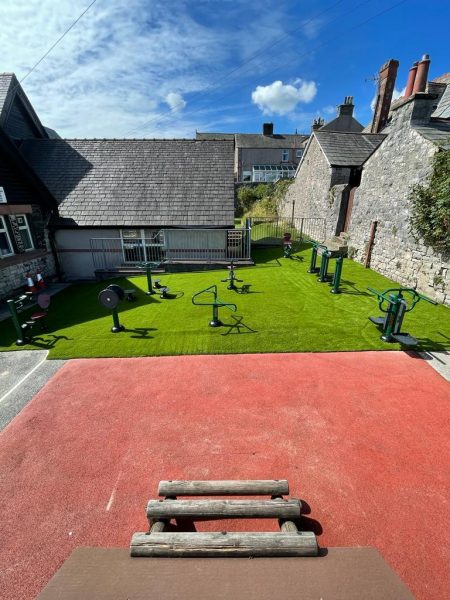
411,78
423,67
267,128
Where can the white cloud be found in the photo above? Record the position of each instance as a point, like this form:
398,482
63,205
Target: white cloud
281,99
175,101
396,94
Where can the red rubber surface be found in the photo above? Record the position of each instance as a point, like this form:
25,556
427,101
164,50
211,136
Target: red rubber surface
362,437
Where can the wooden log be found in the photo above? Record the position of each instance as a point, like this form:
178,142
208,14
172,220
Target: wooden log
223,544
158,527
223,509
271,487
287,526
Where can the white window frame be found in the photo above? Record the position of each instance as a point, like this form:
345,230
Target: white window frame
26,227
298,153
4,229
285,155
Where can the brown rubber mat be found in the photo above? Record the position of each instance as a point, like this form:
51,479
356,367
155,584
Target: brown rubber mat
111,574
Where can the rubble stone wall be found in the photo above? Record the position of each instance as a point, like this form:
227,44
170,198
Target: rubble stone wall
402,160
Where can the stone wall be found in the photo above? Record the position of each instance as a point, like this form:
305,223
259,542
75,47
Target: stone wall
13,273
311,193
402,160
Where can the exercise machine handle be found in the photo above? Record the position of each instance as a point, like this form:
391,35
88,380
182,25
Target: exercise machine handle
212,289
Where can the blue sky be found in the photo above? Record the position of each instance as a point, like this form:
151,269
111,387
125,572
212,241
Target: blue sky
147,68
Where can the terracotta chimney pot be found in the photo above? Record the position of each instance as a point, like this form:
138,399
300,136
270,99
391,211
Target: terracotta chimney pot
423,67
411,79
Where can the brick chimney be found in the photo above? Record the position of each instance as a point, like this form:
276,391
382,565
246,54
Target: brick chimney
411,79
267,128
386,83
317,123
346,108
420,83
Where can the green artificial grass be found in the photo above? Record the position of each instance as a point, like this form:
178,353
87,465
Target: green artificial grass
287,310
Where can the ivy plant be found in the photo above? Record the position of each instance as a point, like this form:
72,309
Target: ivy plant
430,206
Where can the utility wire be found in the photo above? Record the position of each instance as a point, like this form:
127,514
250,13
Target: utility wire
44,56
262,50
320,45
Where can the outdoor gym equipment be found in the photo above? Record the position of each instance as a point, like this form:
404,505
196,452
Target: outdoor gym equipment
393,303
215,322
110,298
18,305
231,278
147,267
326,254
287,245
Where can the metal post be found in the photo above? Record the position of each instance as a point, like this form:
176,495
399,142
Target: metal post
324,267
21,339
215,316
301,230
117,326
312,267
149,281
391,317
337,275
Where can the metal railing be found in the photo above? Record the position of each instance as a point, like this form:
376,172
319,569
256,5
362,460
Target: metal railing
172,245
270,230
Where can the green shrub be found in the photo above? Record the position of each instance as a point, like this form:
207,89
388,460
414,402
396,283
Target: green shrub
430,204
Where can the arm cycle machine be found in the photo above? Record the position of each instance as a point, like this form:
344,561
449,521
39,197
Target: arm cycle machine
395,303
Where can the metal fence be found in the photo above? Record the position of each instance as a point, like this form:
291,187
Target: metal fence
270,230
172,245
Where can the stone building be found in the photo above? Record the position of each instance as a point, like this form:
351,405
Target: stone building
330,170
265,156
361,182
417,128
25,203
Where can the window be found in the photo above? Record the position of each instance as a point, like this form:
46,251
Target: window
246,176
285,155
6,248
25,233
299,153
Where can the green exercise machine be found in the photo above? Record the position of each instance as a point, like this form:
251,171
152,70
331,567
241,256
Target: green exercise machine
325,255
21,304
216,304
147,267
110,298
395,303
231,279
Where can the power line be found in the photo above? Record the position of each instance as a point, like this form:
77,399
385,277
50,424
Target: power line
242,64
364,22
44,56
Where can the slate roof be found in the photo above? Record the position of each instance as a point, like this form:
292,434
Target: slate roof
443,108
437,132
131,183
343,123
258,140
5,82
347,149
214,136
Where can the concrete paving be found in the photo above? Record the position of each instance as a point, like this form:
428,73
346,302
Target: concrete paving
22,375
439,360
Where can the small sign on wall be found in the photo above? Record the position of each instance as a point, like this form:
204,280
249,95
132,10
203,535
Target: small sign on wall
2,196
